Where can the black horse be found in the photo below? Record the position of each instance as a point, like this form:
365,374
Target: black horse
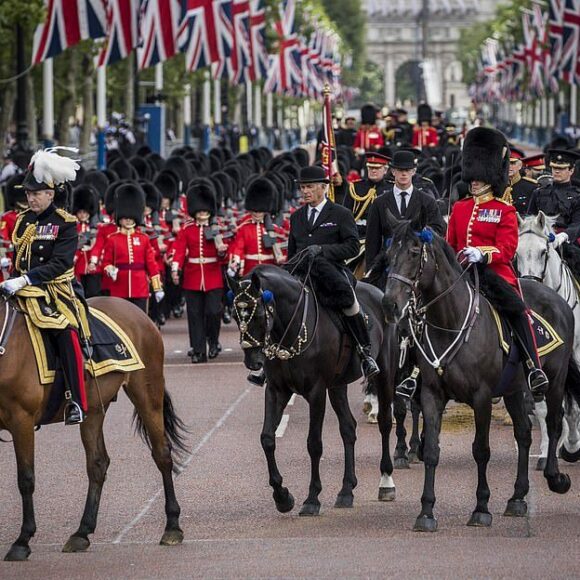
304,350
461,359
406,454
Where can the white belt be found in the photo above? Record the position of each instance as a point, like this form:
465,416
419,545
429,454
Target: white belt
259,257
202,260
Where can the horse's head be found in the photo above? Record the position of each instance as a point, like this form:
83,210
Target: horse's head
410,270
253,310
535,246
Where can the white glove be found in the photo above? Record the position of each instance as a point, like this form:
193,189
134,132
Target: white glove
473,255
5,263
112,272
560,239
159,295
231,272
14,284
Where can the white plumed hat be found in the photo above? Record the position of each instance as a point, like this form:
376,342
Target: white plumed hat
48,170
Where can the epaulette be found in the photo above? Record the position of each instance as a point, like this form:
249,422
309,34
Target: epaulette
530,179
505,201
67,217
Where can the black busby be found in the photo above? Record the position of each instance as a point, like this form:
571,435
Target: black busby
152,195
227,184
486,158
98,180
123,169
302,156
168,184
368,114
129,202
260,195
156,161
181,168
201,196
15,193
85,197
424,113
110,196
142,167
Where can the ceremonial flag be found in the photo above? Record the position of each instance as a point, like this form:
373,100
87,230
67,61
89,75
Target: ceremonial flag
555,35
240,53
67,23
158,28
122,30
328,153
570,61
206,32
259,54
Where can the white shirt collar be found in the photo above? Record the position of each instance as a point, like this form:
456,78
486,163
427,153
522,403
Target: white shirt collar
409,191
318,207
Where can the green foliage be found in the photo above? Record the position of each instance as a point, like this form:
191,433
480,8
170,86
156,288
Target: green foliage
371,84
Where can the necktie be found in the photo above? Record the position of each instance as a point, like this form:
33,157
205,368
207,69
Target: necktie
403,209
312,218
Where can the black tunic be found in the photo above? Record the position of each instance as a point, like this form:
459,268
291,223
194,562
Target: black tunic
563,200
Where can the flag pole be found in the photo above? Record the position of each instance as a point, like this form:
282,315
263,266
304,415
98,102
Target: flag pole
329,144
101,116
48,102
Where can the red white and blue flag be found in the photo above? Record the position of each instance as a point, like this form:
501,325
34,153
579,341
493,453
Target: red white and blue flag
570,58
258,68
67,23
555,36
206,32
122,30
158,28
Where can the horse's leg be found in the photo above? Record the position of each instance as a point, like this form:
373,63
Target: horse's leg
514,403
400,412
480,449
387,490
432,412
415,441
317,404
347,425
557,482
276,401
97,464
21,428
541,411
570,450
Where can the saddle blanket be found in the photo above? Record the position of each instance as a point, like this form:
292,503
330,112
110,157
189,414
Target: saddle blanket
113,350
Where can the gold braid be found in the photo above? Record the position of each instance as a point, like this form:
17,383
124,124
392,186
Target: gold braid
361,202
24,243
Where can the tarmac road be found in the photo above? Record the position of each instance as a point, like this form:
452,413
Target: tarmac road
232,529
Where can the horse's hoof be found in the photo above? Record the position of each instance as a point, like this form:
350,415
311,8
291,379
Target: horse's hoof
310,509
372,418
560,483
76,544
171,538
387,494
414,457
480,520
516,508
568,456
17,553
344,501
541,465
286,504
402,463
425,524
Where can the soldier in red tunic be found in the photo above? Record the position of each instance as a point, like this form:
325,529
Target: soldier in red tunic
200,256
484,229
128,258
424,135
369,137
16,204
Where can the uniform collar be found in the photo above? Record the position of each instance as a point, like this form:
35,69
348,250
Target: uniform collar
46,212
517,177
483,198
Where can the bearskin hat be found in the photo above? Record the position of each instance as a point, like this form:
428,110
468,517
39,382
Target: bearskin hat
201,196
111,175
129,202
98,180
368,114
142,167
63,196
85,197
233,170
123,169
168,184
156,161
143,151
261,195
181,168
152,195
302,157
110,196
424,113
486,158
15,193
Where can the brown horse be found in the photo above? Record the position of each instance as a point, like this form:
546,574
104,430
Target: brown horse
23,399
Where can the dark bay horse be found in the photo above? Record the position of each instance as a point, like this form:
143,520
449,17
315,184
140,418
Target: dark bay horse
23,399
427,291
284,330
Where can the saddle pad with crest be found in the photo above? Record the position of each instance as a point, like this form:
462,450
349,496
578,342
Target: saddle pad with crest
113,350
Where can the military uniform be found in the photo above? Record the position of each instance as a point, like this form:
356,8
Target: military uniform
521,190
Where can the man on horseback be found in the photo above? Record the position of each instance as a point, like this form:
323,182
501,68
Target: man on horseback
326,232
45,242
483,229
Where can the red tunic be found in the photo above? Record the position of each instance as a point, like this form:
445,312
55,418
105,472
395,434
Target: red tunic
425,137
104,230
198,258
133,255
82,256
491,225
248,247
7,223
368,138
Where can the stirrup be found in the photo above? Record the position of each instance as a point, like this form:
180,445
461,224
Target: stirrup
369,366
538,384
407,387
73,414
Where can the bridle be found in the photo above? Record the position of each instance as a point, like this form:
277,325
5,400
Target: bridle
539,279
417,313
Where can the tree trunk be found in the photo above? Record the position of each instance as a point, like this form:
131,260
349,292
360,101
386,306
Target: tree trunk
88,104
31,112
6,110
67,105
130,92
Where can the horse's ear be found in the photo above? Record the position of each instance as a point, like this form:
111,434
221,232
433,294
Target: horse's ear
520,220
232,283
420,220
541,220
392,221
256,282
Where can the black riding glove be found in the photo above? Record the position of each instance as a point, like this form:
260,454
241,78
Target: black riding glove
314,251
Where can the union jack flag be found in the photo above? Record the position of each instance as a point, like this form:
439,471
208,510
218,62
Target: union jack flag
259,55
240,56
67,23
570,60
158,27
122,30
555,35
206,32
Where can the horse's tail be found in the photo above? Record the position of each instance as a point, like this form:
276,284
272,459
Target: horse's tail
175,431
573,381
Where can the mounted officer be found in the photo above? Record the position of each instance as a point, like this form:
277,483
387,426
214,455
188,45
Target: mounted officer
327,233
45,242
520,188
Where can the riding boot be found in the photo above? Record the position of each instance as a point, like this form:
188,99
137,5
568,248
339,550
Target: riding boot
537,379
71,358
358,329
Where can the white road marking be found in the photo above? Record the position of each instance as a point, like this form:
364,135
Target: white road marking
186,462
292,400
178,351
203,365
282,427
228,349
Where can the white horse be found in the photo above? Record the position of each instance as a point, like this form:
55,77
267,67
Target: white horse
539,260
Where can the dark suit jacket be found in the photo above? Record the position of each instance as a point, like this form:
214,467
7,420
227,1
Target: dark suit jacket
378,229
334,230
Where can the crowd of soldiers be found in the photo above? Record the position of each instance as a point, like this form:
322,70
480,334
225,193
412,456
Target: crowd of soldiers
165,233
